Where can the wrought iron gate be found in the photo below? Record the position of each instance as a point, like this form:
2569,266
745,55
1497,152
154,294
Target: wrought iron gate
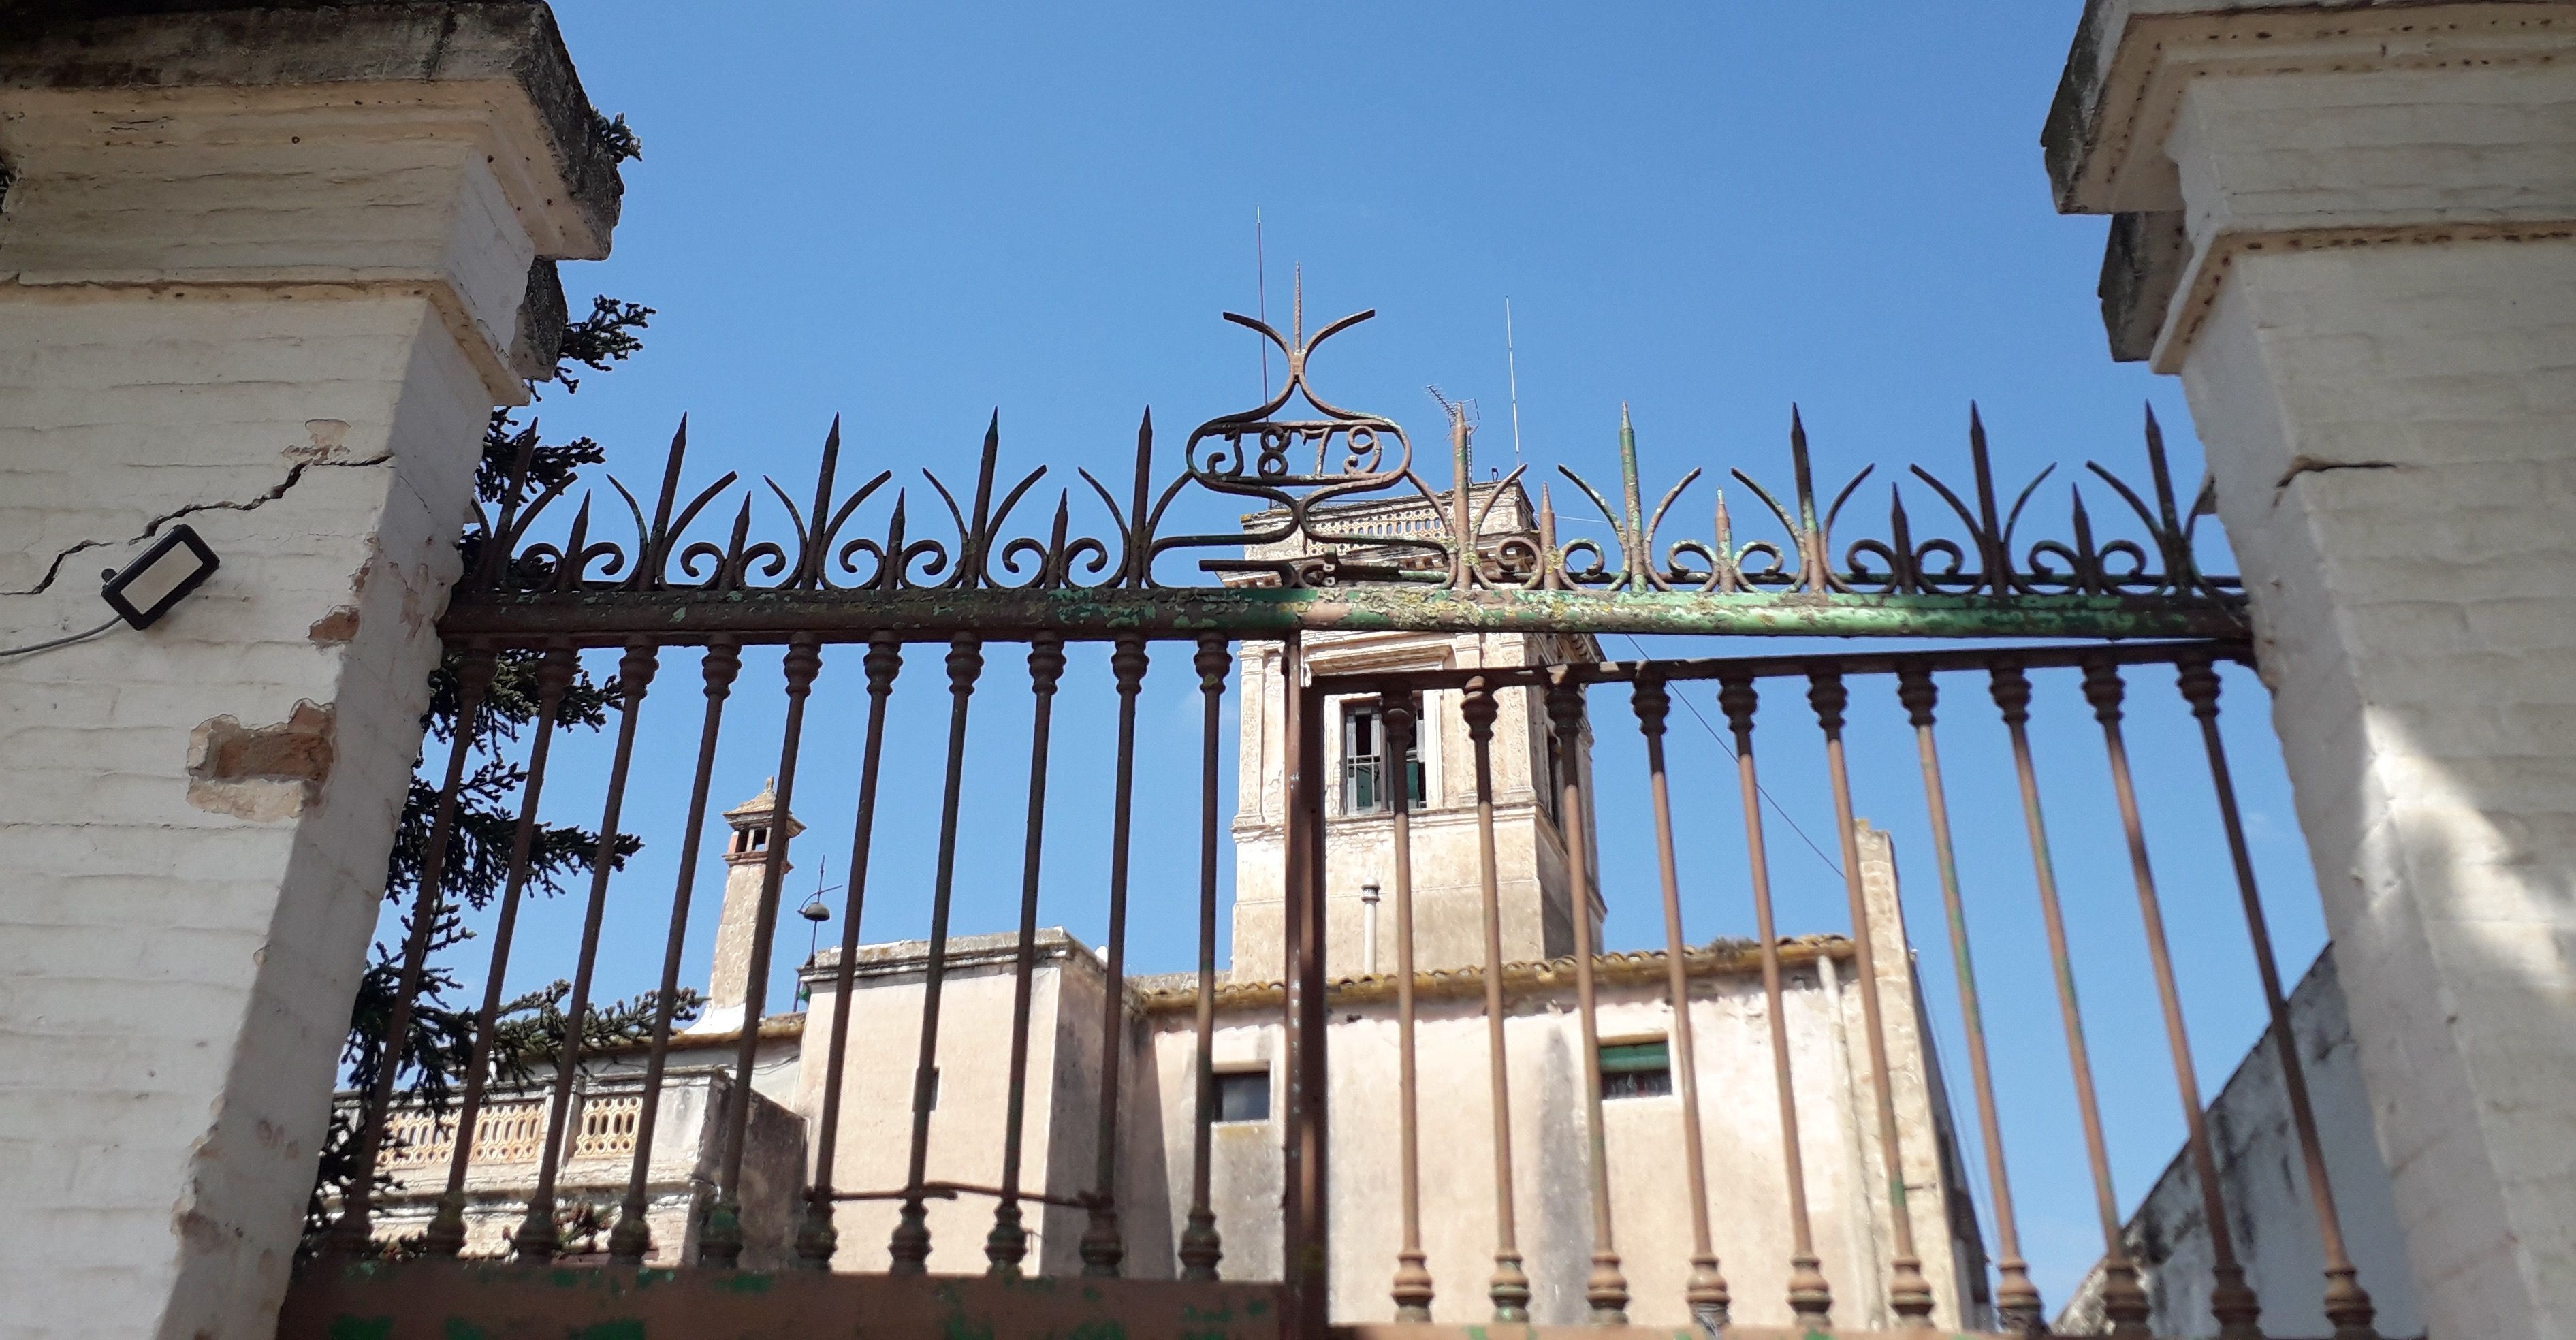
1344,532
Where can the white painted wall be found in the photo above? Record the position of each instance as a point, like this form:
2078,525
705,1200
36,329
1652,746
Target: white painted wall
282,315
2377,330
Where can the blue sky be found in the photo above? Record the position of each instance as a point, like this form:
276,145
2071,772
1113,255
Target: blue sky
912,217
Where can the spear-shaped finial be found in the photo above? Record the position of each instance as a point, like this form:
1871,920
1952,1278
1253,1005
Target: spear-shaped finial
1632,536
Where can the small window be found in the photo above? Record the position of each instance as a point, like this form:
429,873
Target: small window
1636,1069
1243,1095
1366,787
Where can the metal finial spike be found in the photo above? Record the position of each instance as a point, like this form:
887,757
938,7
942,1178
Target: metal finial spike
1623,417
1297,327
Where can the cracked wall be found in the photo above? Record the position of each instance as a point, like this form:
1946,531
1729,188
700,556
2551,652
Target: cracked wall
215,314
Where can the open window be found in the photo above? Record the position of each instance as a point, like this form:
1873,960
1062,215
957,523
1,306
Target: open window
1367,785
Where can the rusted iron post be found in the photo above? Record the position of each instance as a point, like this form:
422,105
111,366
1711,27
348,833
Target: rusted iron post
1201,1246
1705,1290
2016,1298
351,1234
720,1244
538,1239
1306,1231
1412,1286
2347,1304
1605,1288
1510,1286
2124,1301
1811,1298
1908,1291
816,1237
445,1236
632,1239
2230,1300
1008,1243
909,1248
1102,1246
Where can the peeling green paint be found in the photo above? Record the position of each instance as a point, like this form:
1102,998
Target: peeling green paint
458,1328
625,1329
747,1281
362,1328
770,616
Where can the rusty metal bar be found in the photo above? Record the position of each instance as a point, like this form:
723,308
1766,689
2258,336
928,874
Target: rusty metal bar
351,1234
816,1237
910,1245
1306,1227
446,1233
629,1242
2016,1298
1510,1286
1008,1243
1412,1285
720,1244
2231,1301
1811,1298
2124,1300
1103,1247
1908,1291
538,1239
2347,1304
1706,1289
1201,1247
1605,1288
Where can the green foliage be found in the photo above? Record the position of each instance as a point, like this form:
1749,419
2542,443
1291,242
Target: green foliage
437,1048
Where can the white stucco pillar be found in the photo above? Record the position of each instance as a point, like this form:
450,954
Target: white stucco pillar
261,271
2351,230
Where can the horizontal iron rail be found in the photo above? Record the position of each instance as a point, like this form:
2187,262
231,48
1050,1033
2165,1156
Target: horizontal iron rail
1804,664
607,618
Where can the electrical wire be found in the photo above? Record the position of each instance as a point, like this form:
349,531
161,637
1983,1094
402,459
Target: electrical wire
61,641
1776,807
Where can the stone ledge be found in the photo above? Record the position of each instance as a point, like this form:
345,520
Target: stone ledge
170,44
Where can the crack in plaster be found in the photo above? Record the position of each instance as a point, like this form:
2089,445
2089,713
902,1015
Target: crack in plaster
294,476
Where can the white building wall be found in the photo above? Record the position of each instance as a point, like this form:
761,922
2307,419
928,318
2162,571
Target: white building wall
281,316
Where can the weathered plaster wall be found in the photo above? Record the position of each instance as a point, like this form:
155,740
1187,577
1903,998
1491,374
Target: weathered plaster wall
280,314
2376,324
2263,1175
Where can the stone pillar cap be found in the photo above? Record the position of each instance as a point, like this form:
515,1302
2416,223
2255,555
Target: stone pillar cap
181,44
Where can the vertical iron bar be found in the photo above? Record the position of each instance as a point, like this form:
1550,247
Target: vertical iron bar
446,1233
1201,1247
2124,1301
1102,1246
2016,1298
1307,1229
817,1238
633,1238
2230,1300
722,1243
1008,1243
1811,1298
1706,1289
538,1239
1412,1286
1604,1288
1510,1286
351,1234
910,1245
2347,1304
1908,1292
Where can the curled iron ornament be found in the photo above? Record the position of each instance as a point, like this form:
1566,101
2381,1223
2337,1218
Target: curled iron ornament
1338,501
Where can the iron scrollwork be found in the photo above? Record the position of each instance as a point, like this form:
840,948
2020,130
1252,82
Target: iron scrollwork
1322,484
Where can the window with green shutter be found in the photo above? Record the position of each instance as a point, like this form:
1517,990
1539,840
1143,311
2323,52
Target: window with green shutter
1636,1069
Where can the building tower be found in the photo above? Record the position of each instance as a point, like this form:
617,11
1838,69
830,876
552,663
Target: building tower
1529,844
755,823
